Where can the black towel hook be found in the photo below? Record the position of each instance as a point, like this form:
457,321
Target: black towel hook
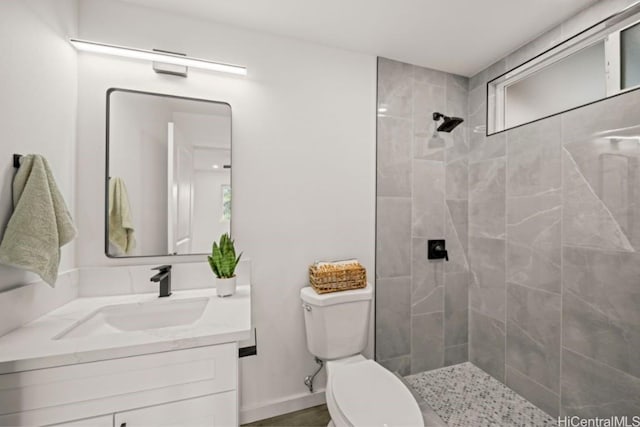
16,160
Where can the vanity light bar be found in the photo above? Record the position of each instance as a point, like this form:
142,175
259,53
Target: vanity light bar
150,55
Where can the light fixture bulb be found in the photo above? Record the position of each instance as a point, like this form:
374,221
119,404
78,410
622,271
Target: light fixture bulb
149,55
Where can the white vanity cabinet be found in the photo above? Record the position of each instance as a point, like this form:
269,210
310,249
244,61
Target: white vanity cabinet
211,410
188,387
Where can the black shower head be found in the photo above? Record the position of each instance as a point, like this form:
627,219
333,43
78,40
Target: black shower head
448,123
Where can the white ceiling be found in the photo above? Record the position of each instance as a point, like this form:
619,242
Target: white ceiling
458,36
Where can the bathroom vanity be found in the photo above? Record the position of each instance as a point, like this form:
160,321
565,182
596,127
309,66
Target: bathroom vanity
127,360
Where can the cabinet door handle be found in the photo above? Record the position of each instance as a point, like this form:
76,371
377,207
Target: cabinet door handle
123,425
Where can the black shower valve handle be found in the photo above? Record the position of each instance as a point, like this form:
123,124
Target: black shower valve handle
441,252
436,249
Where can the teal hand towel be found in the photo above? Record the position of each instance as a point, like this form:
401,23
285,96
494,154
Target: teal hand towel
121,231
40,224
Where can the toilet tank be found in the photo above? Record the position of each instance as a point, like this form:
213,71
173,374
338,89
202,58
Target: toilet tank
337,323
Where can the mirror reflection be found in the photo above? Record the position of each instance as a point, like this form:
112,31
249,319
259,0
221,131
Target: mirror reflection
168,174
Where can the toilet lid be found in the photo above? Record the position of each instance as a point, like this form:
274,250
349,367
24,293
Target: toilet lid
369,395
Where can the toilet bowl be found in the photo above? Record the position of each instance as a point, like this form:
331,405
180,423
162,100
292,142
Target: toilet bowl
359,392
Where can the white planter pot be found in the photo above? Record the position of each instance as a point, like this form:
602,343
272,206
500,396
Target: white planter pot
226,287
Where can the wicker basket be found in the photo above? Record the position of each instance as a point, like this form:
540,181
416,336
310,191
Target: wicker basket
334,278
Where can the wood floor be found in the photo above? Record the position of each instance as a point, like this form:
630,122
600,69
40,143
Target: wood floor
318,416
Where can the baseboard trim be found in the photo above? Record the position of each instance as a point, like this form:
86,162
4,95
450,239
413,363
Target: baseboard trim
281,406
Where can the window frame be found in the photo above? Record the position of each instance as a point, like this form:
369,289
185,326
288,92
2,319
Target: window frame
607,31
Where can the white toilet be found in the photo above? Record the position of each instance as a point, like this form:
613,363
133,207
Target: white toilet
359,391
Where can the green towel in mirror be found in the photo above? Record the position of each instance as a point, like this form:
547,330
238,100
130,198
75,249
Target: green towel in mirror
121,231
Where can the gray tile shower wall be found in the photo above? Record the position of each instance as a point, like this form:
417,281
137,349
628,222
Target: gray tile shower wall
422,194
554,241
542,224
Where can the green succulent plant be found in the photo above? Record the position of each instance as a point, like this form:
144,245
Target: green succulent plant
223,259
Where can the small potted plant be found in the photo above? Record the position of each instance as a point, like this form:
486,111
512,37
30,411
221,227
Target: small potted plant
223,262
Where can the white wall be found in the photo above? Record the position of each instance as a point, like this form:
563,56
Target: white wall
206,129
208,223
37,102
303,163
205,132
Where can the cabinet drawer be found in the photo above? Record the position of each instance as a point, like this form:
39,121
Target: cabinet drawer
30,390
212,410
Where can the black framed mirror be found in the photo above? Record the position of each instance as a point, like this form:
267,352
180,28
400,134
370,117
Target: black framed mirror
168,174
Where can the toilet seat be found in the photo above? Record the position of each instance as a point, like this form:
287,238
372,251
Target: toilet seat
366,394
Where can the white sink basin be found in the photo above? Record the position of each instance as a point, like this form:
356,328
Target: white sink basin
161,313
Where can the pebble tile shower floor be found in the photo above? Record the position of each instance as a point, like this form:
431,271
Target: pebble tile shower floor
464,396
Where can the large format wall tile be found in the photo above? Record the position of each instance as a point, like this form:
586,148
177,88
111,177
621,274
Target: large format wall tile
487,283
456,354
427,280
534,158
482,147
476,105
608,116
570,195
457,177
586,220
459,212
487,199
424,75
486,344
393,320
478,80
456,308
400,365
611,170
427,99
475,120
427,349
424,146
428,199
393,231
395,82
602,306
535,393
534,180
457,94
457,255
533,334
534,240
457,146
412,170
394,157
591,389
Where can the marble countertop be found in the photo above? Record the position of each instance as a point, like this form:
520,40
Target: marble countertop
33,346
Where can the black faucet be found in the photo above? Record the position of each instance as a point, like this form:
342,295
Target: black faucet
164,277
